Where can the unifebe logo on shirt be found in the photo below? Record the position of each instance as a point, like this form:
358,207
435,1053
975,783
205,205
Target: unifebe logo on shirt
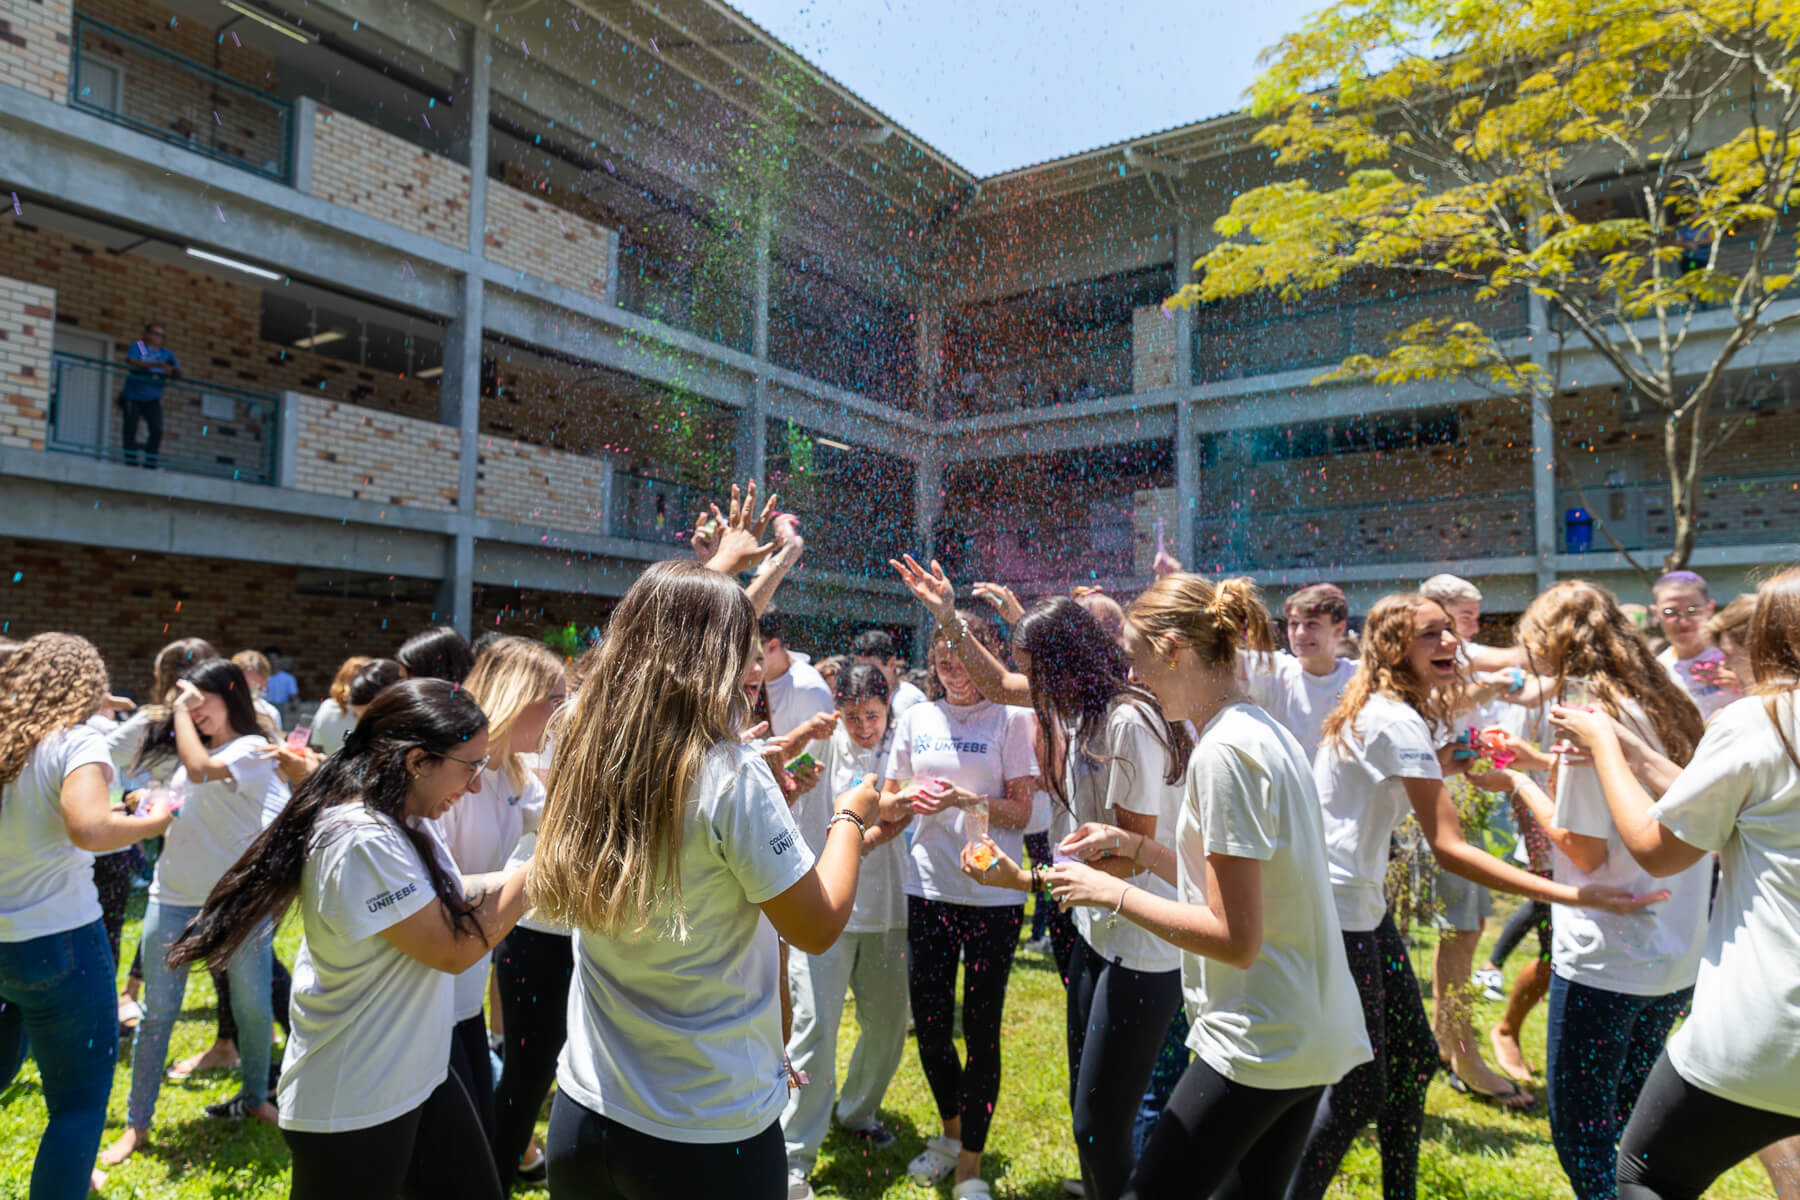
389,899
782,842
925,743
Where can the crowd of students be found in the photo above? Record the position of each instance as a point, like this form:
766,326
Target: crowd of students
645,882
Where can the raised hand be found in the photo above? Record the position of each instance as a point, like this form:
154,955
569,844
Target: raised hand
931,588
1003,600
740,544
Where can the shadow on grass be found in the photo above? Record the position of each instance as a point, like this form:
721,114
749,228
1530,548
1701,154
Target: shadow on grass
224,1157
1463,1136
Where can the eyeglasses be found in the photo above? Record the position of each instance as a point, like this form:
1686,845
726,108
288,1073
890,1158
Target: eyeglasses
475,768
1676,614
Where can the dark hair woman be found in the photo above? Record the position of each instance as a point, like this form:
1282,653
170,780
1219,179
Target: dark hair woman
367,1104
438,653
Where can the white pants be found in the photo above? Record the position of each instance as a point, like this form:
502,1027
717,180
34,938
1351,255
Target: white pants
873,967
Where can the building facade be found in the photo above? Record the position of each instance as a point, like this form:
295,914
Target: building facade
475,311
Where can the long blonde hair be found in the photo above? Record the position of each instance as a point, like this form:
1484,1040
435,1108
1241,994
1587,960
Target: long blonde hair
512,674
1577,628
1386,669
52,682
1774,647
1214,619
660,693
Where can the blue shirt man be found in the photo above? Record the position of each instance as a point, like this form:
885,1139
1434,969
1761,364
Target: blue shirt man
152,365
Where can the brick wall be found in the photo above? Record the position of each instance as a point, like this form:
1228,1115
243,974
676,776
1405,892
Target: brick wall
390,179
1152,348
345,450
214,325
534,485
183,103
131,604
34,47
530,234
27,313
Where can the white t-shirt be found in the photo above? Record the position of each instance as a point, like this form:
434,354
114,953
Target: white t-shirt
1292,1019
979,747
1740,796
1362,790
904,697
796,698
1295,696
267,712
1133,764
1648,953
217,822
480,830
46,881
371,1024
881,884
124,740
1707,696
681,1040
330,726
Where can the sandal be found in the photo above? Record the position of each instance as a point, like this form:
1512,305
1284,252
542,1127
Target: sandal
936,1161
131,1013
1503,1100
972,1189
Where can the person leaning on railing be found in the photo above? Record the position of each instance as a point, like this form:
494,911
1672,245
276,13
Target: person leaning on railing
152,366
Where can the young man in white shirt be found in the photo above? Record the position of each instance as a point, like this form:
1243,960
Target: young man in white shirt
1682,606
875,648
1300,688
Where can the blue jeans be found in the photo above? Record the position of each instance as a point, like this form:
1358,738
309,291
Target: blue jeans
251,972
58,990
1602,1046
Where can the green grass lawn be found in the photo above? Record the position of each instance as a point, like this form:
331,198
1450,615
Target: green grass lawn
1471,1150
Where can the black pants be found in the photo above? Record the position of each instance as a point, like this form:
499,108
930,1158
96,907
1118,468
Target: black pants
1117,1021
470,1062
534,970
1680,1138
1389,1091
595,1158
434,1151
150,413
112,879
1531,916
281,988
938,935
1225,1140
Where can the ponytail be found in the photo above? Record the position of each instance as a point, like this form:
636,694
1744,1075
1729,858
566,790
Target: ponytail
1216,620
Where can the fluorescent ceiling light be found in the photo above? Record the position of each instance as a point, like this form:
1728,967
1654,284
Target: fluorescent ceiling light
269,22
428,373
824,441
234,264
319,339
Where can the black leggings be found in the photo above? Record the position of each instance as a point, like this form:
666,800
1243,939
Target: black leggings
1531,916
595,1158
1224,1140
1680,1138
937,936
470,1062
533,969
436,1150
1389,1090
281,988
1117,1021
112,879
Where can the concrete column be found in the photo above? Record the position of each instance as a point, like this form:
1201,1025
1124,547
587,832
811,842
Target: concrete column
305,120
480,100
1187,450
929,347
287,445
753,422
456,591
928,500
1543,456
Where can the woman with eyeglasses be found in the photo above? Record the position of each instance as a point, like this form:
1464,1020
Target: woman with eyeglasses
519,684
369,1107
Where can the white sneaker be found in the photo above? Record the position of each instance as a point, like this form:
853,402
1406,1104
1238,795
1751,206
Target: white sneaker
972,1189
1491,982
799,1188
936,1161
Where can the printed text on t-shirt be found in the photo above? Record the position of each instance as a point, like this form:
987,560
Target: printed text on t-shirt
388,899
925,743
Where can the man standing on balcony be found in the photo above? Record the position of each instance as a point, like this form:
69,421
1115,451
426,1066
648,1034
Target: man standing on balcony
152,366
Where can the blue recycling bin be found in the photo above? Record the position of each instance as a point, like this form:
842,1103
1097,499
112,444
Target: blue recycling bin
1578,530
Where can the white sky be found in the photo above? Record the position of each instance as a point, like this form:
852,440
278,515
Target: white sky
998,84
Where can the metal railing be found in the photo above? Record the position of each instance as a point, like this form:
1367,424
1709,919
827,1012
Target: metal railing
123,78
207,428
1733,510
1323,336
1483,525
667,291
647,509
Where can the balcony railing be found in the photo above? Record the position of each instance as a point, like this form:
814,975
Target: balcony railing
123,78
207,428
1320,336
1734,510
647,509
670,292
1485,525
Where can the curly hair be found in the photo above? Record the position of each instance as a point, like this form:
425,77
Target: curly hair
53,682
1386,670
1577,628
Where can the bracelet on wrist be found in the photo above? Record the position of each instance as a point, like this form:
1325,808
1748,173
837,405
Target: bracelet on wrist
844,814
1121,901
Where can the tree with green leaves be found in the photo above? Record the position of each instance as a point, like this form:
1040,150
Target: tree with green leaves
1628,164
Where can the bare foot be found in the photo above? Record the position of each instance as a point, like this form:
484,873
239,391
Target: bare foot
1509,1055
220,1056
1485,1082
266,1112
128,1144
96,1180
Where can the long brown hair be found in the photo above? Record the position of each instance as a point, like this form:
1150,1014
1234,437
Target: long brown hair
1775,650
660,694
1386,669
1577,628
340,683
52,682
